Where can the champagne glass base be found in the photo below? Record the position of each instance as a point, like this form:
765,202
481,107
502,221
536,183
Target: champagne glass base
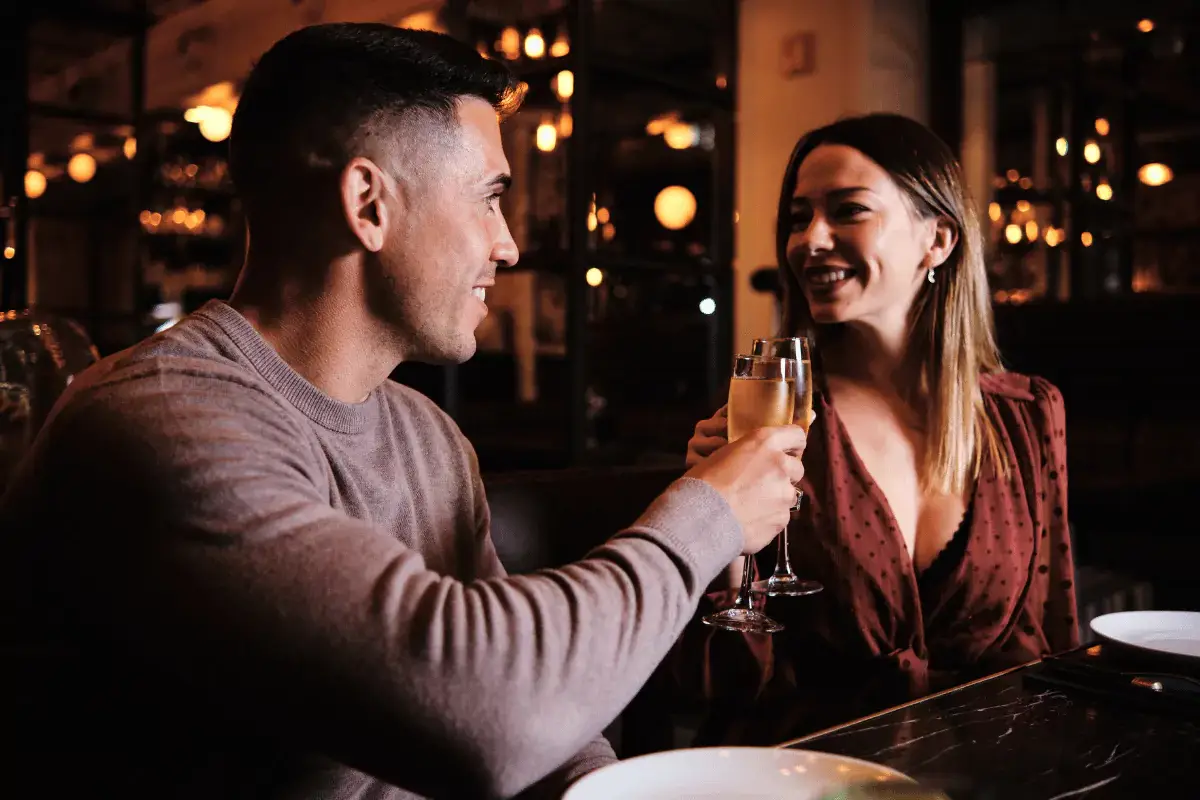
786,587
744,620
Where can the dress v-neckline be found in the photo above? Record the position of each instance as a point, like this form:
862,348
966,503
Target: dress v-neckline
896,536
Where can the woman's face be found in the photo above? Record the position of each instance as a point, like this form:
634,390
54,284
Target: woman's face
857,248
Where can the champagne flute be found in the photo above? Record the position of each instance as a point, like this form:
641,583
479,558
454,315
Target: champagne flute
762,394
784,581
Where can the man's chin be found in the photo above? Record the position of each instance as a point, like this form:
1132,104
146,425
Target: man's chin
459,352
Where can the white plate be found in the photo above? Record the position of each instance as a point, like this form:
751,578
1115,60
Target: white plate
728,773
1174,632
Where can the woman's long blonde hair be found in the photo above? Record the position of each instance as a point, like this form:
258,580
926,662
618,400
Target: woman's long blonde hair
952,340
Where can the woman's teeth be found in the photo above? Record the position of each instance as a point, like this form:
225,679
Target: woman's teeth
824,277
480,293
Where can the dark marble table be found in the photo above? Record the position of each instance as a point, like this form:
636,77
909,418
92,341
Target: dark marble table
1010,737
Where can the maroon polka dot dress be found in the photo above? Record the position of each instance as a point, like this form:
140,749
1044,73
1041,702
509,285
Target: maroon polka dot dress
1000,594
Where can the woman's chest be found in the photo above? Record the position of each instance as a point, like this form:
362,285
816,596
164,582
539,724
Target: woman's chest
884,452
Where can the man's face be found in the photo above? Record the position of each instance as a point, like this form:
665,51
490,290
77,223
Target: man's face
444,240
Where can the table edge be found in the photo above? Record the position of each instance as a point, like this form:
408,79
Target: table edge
917,701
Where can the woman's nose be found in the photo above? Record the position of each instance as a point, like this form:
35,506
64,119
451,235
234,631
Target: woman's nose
817,237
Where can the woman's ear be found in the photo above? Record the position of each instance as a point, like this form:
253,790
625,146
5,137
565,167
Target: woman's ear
945,237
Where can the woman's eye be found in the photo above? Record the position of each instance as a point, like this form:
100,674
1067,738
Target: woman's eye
800,220
851,210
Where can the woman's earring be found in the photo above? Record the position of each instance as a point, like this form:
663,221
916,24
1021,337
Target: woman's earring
929,275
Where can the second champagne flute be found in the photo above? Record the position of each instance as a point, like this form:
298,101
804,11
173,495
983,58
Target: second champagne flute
784,581
762,394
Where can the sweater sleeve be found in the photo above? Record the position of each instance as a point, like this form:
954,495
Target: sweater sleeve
595,754
204,542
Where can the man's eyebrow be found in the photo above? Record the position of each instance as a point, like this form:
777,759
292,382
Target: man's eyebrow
503,182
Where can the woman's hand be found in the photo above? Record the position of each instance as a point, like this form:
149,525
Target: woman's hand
710,436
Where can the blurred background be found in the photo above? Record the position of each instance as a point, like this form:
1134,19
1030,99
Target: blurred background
647,164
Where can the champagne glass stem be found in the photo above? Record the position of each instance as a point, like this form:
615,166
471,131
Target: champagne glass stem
783,559
783,563
743,596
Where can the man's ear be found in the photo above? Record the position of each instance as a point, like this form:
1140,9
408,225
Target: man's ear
363,189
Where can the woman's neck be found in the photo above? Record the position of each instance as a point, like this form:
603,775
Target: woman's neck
872,354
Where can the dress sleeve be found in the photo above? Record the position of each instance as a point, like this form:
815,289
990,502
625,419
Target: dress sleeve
1056,564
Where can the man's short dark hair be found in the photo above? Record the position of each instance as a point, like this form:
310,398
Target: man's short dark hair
316,98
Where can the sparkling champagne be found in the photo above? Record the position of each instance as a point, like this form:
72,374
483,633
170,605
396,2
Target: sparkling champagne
760,403
804,396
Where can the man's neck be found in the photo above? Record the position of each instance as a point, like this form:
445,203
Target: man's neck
324,335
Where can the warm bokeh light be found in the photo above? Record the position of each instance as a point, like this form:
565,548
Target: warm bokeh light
1091,152
1024,206
82,167
680,136
1146,25
35,184
1086,238
658,125
564,84
603,215
1013,233
994,212
10,252
1104,191
130,147
708,306
1102,126
1031,231
1155,174
1054,236
675,207
561,45
1061,145
1013,176
546,137
594,276
216,124
535,45
427,20
1025,183
510,43
566,125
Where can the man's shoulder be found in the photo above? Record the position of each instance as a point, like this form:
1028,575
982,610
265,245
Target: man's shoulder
167,379
165,371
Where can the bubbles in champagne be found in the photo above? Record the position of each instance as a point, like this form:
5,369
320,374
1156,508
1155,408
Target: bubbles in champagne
759,403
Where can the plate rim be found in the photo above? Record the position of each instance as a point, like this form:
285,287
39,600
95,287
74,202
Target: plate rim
777,748
1145,613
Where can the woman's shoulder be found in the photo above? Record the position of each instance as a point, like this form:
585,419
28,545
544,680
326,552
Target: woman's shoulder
1015,387
1038,397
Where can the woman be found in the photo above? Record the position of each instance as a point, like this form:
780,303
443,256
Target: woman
936,484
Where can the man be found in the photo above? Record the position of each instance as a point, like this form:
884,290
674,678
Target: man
239,562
